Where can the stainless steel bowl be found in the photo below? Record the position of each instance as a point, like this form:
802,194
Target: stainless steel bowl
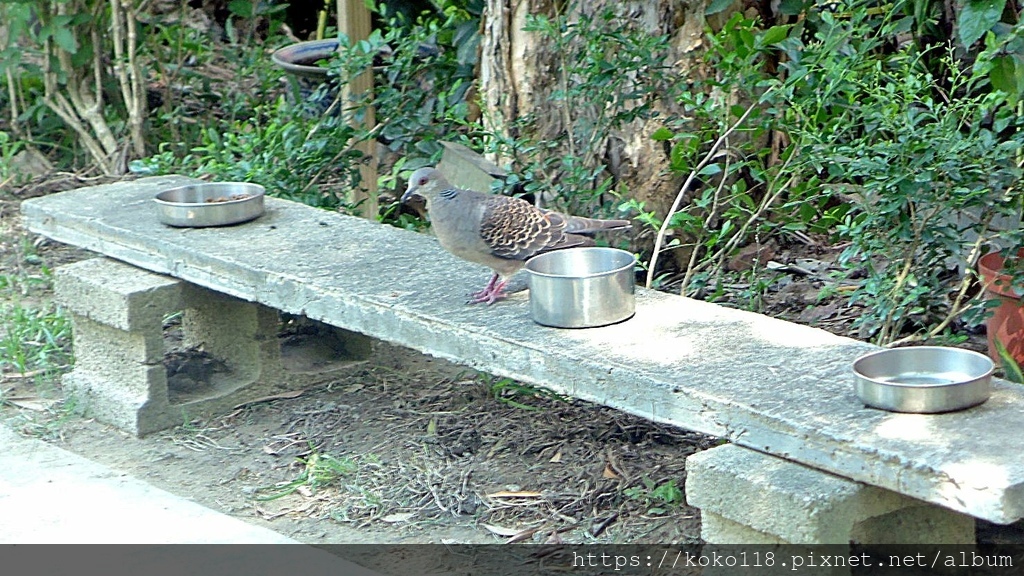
923,379
301,58
210,204
581,287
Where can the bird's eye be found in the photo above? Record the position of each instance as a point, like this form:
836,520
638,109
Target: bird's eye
423,181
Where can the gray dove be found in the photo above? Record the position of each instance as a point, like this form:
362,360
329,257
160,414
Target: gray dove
500,232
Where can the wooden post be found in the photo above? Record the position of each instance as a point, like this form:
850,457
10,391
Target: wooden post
354,22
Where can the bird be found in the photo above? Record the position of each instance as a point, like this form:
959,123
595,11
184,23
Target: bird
500,232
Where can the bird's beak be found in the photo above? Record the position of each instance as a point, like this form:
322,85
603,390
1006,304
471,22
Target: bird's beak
410,193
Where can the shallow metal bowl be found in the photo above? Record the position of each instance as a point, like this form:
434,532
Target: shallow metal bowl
923,379
581,287
301,58
210,204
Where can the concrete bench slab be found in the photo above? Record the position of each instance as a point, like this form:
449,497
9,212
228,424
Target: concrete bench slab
773,386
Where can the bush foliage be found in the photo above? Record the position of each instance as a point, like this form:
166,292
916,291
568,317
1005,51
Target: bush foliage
893,129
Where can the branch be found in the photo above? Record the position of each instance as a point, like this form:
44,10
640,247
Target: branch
370,136
959,304
692,266
64,109
686,186
126,67
137,114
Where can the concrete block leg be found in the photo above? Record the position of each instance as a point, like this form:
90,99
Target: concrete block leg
229,351
747,497
117,313
242,335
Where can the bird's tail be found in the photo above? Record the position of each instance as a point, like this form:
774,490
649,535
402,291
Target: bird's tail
580,225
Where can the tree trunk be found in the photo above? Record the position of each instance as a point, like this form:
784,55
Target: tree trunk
521,70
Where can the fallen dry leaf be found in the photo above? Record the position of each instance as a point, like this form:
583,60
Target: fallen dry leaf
523,535
398,517
554,538
501,530
30,402
278,508
609,472
557,458
281,396
508,494
27,375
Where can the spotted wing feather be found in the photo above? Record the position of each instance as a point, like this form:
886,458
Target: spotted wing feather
515,229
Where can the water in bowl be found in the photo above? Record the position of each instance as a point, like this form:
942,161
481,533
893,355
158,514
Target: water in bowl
928,378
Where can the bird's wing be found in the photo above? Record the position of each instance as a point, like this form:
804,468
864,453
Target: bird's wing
515,229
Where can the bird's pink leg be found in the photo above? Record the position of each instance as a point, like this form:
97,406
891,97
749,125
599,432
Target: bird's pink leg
487,289
491,293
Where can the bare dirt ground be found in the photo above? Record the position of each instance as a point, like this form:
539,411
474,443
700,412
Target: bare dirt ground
399,448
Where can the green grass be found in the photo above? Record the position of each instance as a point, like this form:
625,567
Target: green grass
658,498
34,339
319,470
517,394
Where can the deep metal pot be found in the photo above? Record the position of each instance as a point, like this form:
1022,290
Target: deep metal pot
581,287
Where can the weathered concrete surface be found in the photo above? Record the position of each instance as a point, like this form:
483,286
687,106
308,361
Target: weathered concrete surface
770,385
770,501
119,377
117,312
51,496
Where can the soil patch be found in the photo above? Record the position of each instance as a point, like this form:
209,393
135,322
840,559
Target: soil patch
404,448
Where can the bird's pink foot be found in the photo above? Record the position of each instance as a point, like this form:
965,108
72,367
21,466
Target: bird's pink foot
487,289
491,293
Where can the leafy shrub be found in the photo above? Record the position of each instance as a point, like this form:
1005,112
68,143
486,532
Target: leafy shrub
308,158
608,75
925,163
304,147
742,186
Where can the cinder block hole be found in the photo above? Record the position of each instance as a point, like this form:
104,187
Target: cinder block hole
192,372
309,346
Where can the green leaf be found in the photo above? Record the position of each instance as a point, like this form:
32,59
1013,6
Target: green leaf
662,134
682,152
66,40
1003,75
1011,368
774,35
717,6
467,49
241,8
978,17
710,170
727,227
792,7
